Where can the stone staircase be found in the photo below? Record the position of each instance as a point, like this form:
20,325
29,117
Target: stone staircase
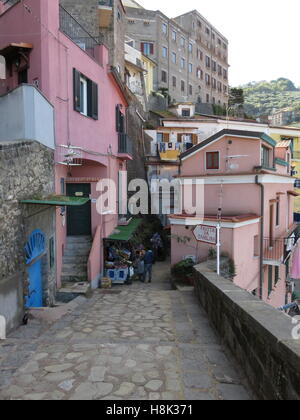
76,254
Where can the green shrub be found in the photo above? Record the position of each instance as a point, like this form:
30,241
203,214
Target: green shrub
183,269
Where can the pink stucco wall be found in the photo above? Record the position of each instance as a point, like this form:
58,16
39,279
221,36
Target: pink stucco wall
238,243
52,60
235,190
248,149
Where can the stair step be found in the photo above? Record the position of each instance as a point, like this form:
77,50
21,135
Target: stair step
75,259
77,246
79,240
73,278
70,267
77,288
77,271
78,252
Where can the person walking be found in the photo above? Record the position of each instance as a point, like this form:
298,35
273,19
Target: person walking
141,268
148,260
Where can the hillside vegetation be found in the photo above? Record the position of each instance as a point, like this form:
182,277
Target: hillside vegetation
262,97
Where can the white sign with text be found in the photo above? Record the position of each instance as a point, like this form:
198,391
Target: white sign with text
206,234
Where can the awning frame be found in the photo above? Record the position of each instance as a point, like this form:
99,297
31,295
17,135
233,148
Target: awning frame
58,201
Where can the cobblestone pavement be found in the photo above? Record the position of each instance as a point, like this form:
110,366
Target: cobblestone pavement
141,342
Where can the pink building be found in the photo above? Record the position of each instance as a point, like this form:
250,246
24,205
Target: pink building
44,46
248,178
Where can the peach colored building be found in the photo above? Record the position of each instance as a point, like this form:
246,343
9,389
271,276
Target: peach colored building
248,178
45,46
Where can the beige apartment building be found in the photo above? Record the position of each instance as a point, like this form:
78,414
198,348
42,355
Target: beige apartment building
191,55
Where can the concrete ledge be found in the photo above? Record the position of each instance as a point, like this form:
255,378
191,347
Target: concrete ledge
259,336
51,315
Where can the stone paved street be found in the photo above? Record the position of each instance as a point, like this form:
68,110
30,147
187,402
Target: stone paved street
141,342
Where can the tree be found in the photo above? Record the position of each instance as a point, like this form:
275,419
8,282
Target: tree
236,102
236,96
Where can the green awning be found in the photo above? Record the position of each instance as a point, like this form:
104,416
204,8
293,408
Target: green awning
57,200
125,233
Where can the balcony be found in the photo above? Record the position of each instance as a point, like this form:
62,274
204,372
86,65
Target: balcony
136,88
26,115
73,30
125,144
105,10
277,250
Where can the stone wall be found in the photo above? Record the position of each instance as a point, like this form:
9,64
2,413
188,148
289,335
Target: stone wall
26,171
140,142
259,336
86,13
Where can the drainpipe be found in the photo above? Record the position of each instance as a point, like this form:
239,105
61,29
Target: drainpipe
261,257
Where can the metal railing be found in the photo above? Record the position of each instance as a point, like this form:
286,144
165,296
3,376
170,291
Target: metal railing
274,249
8,4
125,144
76,32
279,249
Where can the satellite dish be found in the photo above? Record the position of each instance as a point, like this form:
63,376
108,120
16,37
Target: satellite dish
2,67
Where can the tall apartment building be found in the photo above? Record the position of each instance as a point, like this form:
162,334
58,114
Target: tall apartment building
191,55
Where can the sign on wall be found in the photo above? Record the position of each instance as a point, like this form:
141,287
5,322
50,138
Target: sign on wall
207,234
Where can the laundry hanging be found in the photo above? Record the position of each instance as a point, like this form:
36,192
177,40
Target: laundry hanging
295,263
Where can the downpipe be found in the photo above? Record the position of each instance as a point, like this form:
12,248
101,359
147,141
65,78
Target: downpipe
261,255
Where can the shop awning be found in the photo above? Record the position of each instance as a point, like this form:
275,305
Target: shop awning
57,200
125,233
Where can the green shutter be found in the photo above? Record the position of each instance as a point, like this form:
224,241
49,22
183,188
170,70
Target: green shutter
89,98
95,107
276,275
117,119
76,90
270,280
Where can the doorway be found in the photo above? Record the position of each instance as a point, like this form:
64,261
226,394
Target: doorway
34,251
79,217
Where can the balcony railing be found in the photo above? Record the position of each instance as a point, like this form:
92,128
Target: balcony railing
73,30
274,249
277,250
125,144
9,3
162,147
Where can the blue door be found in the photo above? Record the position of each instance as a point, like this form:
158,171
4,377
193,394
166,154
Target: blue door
34,251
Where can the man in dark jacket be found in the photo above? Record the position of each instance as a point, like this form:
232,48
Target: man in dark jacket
148,260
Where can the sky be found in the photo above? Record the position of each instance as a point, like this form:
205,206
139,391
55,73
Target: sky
263,34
